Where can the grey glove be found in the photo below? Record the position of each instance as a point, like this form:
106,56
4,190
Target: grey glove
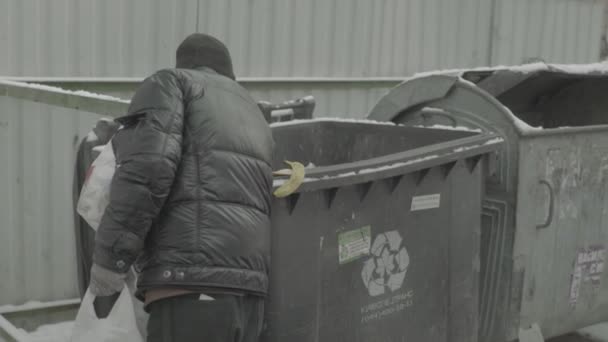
105,282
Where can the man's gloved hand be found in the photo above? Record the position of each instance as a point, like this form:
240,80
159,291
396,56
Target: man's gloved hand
105,282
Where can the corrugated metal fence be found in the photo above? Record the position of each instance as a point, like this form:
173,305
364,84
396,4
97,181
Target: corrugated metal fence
349,47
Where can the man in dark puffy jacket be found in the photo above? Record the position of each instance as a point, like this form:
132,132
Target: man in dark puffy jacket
190,201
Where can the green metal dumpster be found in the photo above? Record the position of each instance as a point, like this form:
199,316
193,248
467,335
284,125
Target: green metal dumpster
381,241
545,214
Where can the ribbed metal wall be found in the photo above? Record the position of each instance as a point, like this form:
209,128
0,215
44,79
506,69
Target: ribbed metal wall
37,148
91,38
268,38
354,38
102,38
326,38
559,31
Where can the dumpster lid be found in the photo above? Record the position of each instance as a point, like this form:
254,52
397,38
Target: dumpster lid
550,96
390,165
537,98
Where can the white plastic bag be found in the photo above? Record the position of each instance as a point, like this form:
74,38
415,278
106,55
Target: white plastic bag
119,326
95,193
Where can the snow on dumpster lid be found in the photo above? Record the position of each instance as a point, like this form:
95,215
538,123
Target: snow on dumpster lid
330,119
62,91
55,96
574,69
581,69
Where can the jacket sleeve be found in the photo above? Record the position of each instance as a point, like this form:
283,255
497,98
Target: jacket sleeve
148,151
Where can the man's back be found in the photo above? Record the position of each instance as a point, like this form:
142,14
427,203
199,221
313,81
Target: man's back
190,201
215,224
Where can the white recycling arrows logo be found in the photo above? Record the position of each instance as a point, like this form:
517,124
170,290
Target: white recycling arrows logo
385,270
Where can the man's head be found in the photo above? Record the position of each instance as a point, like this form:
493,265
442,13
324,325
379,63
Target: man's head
202,50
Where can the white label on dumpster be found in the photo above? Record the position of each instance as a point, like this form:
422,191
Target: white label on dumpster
354,244
426,202
588,271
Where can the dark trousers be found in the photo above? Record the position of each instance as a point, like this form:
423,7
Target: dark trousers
227,318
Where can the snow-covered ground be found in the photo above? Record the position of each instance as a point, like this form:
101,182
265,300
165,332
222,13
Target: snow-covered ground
596,333
61,333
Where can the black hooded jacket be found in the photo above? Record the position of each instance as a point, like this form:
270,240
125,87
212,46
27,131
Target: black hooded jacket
190,199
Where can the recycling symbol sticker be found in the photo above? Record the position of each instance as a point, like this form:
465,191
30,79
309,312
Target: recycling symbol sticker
387,266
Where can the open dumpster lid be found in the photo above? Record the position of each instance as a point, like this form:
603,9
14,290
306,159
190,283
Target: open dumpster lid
536,98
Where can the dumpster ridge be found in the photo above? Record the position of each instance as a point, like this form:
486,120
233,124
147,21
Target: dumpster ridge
319,178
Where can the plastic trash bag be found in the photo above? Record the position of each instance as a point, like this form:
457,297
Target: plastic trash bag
141,316
119,326
95,193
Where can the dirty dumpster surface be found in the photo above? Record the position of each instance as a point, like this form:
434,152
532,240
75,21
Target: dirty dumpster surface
545,216
381,242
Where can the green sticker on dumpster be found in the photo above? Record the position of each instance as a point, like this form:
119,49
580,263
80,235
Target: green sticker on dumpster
354,244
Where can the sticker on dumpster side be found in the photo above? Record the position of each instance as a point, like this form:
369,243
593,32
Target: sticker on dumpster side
426,202
354,244
384,274
588,269
387,266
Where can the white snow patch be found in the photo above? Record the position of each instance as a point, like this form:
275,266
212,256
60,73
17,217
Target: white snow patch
59,332
466,148
332,119
524,69
282,112
598,332
452,128
471,147
434,110
36,305
342,175
601,67
519,123
63,91
494,141
310,165
279,182
397,165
